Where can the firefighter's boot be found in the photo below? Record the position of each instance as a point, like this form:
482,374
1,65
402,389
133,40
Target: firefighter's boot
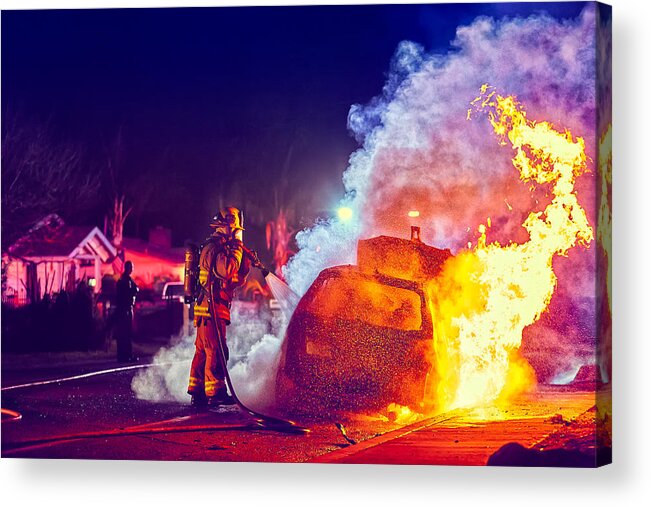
221,398
199,401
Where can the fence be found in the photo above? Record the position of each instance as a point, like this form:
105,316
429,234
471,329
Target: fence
14,301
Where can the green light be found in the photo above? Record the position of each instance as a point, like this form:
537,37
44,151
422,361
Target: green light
345,214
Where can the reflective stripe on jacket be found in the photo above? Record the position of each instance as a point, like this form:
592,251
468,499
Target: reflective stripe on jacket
222,260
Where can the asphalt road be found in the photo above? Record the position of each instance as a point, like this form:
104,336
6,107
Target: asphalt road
98,417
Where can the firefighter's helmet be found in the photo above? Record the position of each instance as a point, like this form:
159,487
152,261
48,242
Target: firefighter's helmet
229,217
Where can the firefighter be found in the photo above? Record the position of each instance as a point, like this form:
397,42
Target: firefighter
125,295
222,269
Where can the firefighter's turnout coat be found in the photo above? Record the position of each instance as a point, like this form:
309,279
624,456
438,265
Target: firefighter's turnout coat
222,269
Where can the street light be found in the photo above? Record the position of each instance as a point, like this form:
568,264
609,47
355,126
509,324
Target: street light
345,213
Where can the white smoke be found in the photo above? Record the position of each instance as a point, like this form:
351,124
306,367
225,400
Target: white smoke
328,243
168,381
420,152
254,339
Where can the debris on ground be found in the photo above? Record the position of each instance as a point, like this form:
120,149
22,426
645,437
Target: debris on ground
342,429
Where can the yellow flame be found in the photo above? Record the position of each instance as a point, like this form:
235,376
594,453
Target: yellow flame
401,414
485,297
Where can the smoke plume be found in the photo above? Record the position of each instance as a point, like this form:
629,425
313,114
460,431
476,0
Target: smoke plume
254,346
420,152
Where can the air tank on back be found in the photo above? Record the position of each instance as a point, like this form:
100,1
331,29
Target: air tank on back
191,273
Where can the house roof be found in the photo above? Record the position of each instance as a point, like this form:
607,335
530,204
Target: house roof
52,237
142,247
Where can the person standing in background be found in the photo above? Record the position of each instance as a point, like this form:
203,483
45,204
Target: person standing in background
126,291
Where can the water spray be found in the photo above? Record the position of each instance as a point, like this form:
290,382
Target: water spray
286,297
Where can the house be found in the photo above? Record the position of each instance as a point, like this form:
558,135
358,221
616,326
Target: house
54,256
156,261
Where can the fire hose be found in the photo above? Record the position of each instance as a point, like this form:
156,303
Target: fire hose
262,420
255,260
10,415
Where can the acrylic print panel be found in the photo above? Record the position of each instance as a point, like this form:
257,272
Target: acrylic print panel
344,234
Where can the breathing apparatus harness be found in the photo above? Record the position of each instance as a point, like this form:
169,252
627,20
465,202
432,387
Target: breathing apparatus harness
193,290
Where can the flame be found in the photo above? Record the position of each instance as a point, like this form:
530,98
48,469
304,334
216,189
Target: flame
486,296
401,414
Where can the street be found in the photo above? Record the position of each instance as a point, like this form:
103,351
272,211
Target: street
102,408
93,414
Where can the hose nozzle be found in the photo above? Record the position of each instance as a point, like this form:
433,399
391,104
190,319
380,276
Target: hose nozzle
255,260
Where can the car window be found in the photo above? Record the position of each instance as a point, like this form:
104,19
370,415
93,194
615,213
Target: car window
176,289
173,289
356,298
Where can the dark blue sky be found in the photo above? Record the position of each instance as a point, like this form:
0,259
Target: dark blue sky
241,94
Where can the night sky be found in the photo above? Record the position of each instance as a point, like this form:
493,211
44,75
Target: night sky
247,103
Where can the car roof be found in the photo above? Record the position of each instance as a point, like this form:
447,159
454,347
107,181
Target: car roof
352,270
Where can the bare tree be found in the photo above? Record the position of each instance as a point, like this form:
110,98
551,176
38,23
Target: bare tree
116,218
117,215
129,191
40,176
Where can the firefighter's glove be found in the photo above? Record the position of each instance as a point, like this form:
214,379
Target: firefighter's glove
245,267
235,244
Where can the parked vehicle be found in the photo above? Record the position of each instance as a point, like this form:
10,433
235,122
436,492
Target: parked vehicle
173,291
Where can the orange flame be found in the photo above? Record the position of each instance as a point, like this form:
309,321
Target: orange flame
485,297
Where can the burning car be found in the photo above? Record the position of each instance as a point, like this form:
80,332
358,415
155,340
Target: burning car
361,335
